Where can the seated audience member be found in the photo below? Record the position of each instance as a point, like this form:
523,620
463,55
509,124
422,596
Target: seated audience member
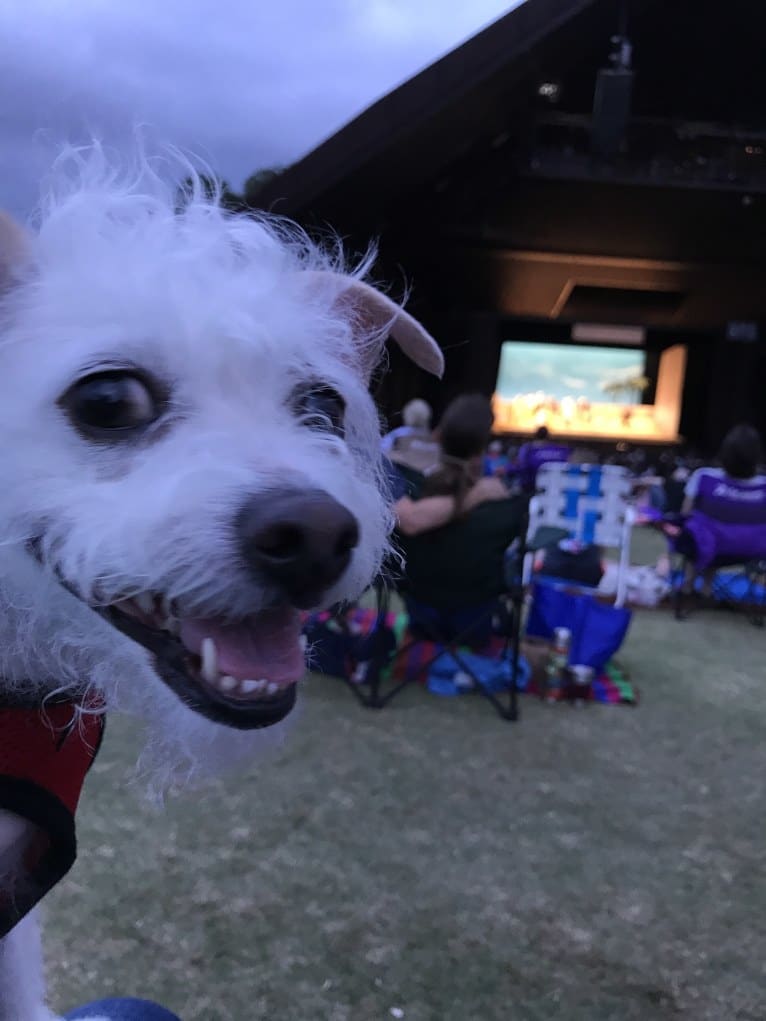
455,537
412,447
739,458
725,507
539,451
456,486
416,416
496,460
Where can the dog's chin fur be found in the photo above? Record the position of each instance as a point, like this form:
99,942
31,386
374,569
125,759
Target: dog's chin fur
223,311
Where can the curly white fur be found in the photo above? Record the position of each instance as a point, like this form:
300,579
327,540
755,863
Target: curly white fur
231,313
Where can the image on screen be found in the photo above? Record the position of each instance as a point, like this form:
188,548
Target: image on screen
597,374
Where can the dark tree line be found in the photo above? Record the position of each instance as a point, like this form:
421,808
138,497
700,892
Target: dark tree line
234,201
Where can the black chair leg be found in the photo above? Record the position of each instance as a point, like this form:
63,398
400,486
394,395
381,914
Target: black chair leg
680,600
367,693
517,607
756,579
678,604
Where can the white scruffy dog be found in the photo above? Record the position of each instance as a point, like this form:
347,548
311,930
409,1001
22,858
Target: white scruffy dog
190,457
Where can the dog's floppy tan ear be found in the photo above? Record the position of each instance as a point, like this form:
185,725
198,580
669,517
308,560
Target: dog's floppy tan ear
13,248
376,311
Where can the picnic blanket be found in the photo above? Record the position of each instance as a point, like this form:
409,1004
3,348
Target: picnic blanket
338,645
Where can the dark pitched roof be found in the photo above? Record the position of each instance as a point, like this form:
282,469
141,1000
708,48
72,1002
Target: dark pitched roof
437,115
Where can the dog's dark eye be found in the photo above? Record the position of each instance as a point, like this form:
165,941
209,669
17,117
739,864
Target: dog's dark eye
111,404
320,407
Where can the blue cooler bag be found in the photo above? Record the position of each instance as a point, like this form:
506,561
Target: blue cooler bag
598,630
446,676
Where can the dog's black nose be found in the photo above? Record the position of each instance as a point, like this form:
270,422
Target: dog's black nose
300,540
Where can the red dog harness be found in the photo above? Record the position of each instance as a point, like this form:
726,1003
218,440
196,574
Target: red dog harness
45,754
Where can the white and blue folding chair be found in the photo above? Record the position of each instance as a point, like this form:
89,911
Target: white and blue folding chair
591,504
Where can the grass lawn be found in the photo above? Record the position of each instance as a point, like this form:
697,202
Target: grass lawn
583,865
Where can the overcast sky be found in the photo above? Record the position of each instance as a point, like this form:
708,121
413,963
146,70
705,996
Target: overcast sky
244,84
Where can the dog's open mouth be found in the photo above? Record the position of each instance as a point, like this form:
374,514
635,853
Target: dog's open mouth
240,674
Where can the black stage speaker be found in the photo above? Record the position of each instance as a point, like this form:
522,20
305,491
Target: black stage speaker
611,110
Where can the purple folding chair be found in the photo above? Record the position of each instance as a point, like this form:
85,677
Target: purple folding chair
727,527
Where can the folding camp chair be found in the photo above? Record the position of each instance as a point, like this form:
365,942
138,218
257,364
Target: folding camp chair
587,503
491,579
726,528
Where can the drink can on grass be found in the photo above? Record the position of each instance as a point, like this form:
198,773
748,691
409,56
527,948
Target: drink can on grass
581,677
554,682
562,640
556,671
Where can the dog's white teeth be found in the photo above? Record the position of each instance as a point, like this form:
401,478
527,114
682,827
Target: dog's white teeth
303,642
229,684
209,669
145,602
167,607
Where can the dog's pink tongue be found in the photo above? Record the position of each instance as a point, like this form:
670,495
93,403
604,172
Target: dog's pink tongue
266,645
